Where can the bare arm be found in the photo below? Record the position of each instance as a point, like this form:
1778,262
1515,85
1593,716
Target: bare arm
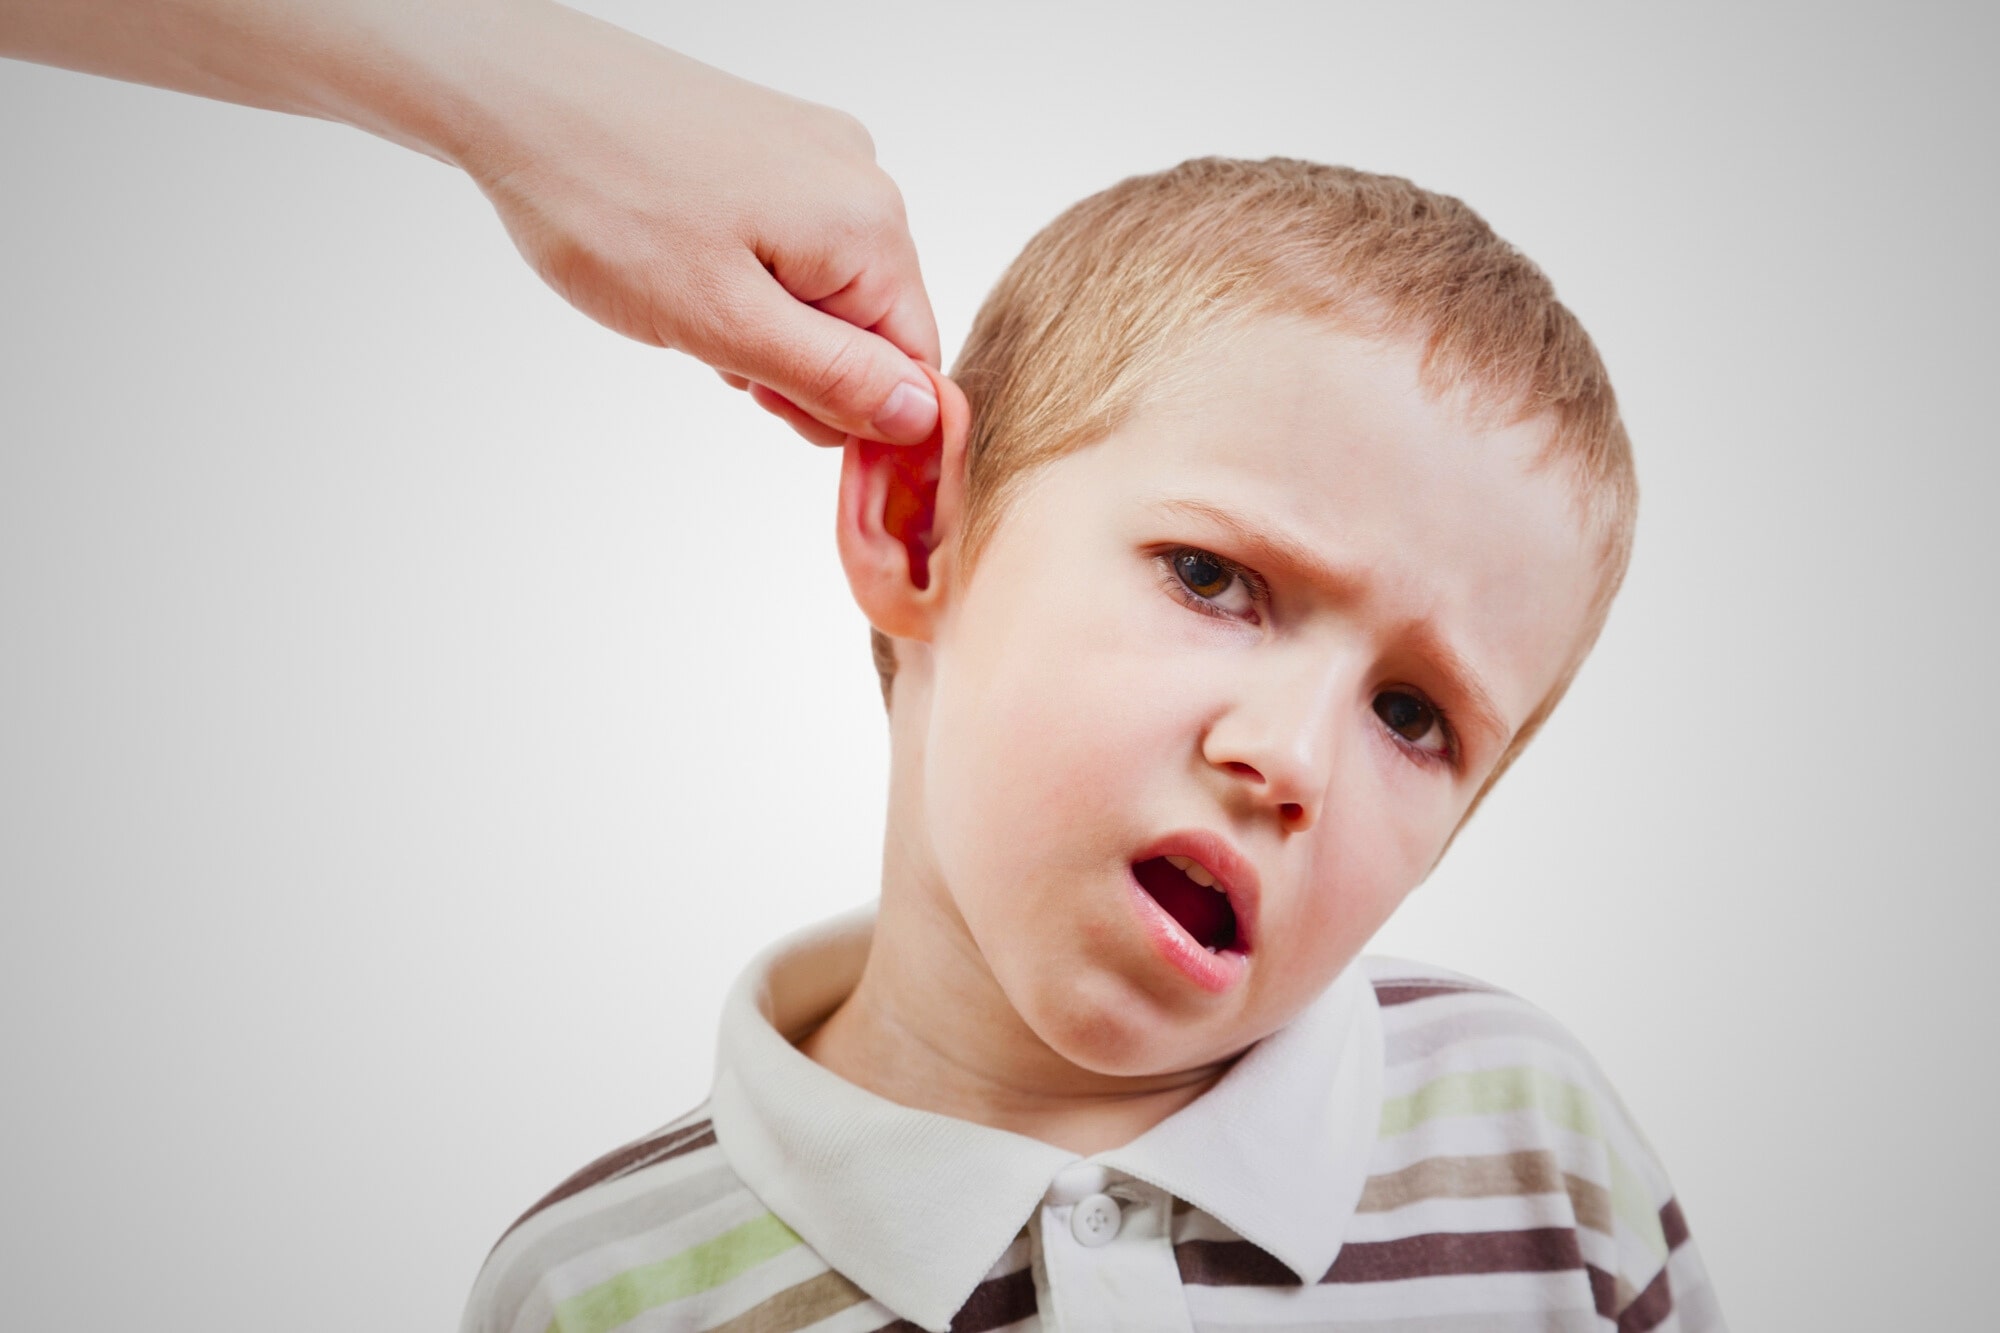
663,198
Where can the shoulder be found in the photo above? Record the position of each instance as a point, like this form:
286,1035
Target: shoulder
662,1220
1445,1029
1497,1121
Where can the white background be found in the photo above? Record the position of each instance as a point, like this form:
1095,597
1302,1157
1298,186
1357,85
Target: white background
417,702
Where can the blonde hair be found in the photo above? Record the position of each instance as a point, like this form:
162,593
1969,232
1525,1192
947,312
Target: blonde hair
1107,300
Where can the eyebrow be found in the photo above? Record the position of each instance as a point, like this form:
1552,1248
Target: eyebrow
1473,702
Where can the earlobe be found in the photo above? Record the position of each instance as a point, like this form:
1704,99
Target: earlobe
900,505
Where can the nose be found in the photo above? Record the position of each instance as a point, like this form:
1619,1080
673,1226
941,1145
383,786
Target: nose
1278,738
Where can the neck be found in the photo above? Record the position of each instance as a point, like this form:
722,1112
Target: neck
928,1027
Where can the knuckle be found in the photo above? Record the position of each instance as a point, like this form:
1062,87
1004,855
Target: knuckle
837,130
854,134
873,222
890,201
880,203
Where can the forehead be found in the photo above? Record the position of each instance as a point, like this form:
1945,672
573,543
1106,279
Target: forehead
1386,506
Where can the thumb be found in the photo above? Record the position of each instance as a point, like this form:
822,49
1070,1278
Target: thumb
852,380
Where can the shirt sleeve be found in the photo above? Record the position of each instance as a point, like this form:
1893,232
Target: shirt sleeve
1661,1285
1676,1297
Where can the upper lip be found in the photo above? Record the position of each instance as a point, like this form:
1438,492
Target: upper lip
1235,874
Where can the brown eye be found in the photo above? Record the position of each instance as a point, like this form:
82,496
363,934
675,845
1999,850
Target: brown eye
1204,575
1411,718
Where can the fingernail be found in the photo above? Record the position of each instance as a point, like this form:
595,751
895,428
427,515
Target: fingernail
909,415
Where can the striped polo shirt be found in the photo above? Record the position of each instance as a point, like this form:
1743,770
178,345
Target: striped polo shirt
1415,1152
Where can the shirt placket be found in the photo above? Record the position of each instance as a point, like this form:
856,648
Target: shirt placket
1104,1256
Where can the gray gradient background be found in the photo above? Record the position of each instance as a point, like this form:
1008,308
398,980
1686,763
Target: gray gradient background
417,702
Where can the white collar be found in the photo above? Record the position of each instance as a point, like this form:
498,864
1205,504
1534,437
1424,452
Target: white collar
915,1207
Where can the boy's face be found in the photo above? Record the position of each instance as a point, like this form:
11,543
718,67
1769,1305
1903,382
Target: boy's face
1303,698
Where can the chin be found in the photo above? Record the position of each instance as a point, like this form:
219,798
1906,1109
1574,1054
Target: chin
1119,1036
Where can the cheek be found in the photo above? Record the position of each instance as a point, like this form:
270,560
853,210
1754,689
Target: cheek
1046,732
1369,854
1342,915
1031,755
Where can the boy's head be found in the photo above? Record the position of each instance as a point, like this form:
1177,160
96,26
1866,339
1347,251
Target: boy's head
1281,505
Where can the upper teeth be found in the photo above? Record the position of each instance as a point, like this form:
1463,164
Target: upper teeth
1193,870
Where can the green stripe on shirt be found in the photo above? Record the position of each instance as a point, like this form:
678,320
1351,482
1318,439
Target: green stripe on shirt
696,1269
1633,1204
1487,1091
1522,1088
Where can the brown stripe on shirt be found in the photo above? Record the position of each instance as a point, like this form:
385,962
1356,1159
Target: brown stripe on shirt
1238,1263
1673,1224
797,1306
994,1303
1651,1307
1230,1263
1655,1303
1603,1290
622,1162
997,1303
1531,1171
1403,992
1450,1253
692,1141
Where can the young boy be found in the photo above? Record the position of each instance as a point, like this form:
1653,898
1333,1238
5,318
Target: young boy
1280,506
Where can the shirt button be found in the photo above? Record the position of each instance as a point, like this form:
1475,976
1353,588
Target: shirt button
1094,1221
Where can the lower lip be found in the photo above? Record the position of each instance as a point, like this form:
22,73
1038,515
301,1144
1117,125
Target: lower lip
1213,972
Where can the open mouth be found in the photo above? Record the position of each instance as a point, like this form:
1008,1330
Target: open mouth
1192,897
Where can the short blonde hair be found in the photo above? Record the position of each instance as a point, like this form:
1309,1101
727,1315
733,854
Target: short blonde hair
1106,301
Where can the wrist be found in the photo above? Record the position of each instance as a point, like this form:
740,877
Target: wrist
438,76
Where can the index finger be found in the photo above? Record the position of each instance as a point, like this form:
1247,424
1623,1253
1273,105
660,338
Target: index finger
909,323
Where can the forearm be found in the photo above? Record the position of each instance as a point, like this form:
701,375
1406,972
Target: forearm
670,201
408,70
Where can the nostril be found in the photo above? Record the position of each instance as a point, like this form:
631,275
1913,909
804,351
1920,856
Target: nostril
1292,811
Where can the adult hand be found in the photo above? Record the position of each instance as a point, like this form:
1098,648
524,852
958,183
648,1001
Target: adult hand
672,202
682,206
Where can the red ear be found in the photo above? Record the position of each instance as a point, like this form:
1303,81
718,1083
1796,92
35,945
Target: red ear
909,509
898,504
